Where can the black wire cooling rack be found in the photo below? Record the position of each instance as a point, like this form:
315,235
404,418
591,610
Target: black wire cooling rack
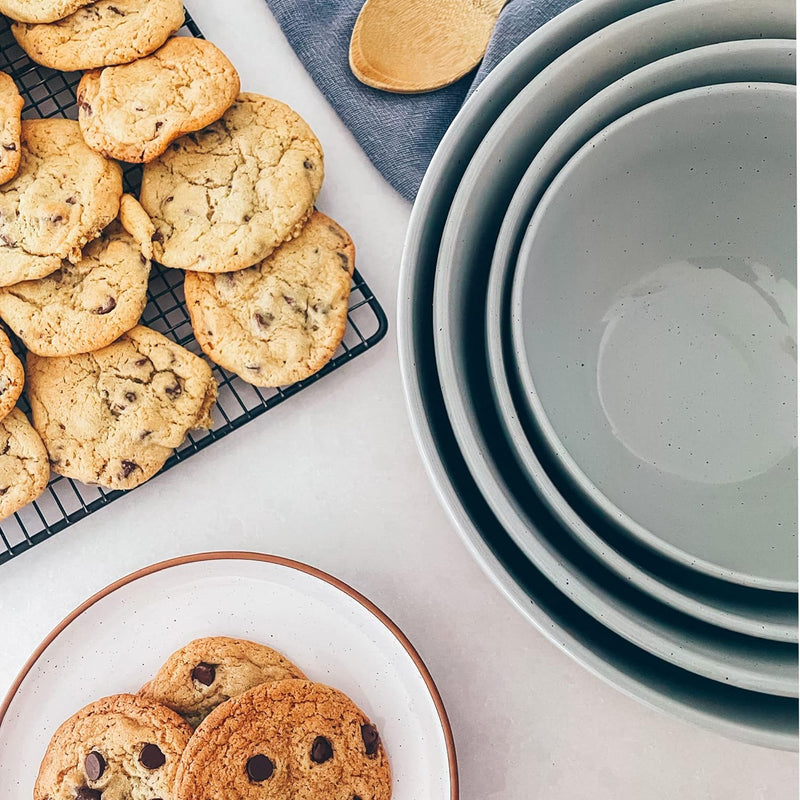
52,94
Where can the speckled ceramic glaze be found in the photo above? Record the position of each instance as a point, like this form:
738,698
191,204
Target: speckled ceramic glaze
459,297
118,642
653,321
751,611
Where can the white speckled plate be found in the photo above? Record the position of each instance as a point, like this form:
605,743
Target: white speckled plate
116,641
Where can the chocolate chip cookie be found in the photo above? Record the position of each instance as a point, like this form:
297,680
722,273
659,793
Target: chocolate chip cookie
224,198
113,417
85,306
40,10
132,112
24,469
281,320
10,127
63,195
289,739
12,376
197,678
103,33
122,747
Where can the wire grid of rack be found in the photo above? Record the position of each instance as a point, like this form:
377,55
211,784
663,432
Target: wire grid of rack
52,94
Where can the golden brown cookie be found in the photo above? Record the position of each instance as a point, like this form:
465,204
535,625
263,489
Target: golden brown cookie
132,112
12,376
63,195
290,739
24,469
224,198
40,10
10,127
113,417
122,747
197,678
281,320
85,306
103,33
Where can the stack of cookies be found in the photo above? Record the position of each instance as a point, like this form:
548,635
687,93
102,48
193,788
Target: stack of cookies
228,194
223,718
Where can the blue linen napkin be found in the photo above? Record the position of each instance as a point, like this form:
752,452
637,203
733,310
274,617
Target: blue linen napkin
399,133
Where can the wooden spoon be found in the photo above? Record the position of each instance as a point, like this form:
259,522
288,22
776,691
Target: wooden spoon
411,46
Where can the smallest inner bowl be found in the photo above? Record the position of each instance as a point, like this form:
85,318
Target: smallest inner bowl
653,322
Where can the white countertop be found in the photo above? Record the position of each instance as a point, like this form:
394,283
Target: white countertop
332,477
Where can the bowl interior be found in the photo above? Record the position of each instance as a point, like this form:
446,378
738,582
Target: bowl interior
653,320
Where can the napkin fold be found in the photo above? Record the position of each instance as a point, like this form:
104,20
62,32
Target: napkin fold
399,133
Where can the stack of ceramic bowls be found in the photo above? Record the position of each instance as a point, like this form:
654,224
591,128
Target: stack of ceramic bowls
597,333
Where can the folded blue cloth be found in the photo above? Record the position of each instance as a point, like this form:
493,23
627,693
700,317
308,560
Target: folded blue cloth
398,132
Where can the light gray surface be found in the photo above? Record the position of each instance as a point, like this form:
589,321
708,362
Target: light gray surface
757,613
334,478
672,403
472,225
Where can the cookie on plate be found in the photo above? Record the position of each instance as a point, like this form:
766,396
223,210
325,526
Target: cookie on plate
85,306
24,469
10,127
12,376
40,10
63,195
224,198
122,747
104,33
113,417
197,678
281,320
132,112
291,738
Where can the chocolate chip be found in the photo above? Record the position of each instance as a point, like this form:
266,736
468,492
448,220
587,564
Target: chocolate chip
151,755
308,165
158,237
95,765
290,300
115,10
259,768
204,673
70,201
56,219
369,733
130,396
141,362
107,307
84,106
127,468
144,434
345,260
85,793
10,147
159,124
321,750
174,391
142,258
264,320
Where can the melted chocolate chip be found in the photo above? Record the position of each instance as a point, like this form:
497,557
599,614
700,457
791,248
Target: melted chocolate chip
71,201
115,10
130,396
308,165
141,362
174,391
151,755
128,467
84,106
107,307
345,260
158,237
85,793
10,147
144,434
95,765
259,768
159,124
369,733
321,750
204,673
264,320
